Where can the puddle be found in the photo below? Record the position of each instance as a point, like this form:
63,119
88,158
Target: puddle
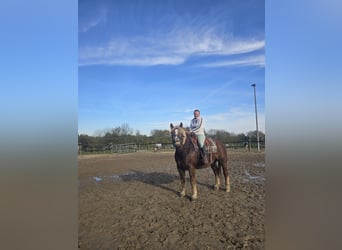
150,177
259,164
253,178
97,178
114,176
124,176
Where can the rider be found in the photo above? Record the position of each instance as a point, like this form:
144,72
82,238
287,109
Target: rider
197,127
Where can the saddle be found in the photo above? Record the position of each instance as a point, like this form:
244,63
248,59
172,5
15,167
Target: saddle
210,145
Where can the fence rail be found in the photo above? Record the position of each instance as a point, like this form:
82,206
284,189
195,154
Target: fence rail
123,148
156,147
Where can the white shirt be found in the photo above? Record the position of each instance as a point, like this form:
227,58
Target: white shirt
197,125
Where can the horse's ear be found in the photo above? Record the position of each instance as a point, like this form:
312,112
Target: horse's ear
181,125
171,125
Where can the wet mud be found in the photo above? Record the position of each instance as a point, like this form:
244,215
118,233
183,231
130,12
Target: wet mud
131,201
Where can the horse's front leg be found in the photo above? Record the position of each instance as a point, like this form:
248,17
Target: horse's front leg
182,179
192,173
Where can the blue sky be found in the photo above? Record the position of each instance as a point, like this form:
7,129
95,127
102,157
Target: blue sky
149,63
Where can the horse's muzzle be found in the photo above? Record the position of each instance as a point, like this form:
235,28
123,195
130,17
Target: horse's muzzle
176,142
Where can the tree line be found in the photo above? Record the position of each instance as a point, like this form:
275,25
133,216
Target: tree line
124,134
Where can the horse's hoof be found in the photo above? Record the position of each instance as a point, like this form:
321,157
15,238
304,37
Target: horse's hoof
216,187
193,198
182,194
228,189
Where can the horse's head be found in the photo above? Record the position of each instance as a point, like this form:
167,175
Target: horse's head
178,135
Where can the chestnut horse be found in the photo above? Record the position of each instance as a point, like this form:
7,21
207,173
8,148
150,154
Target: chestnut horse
188,159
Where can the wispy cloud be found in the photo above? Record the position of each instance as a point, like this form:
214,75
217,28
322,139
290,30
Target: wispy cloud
236,120
85,26
173,48
258,60
159,125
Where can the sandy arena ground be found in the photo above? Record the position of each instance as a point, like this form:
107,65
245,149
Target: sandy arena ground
131,201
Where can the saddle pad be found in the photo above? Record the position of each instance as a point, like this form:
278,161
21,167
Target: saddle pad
210,145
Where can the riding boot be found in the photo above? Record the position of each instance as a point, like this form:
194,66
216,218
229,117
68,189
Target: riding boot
204,156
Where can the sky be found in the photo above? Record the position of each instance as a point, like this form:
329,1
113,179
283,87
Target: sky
151,63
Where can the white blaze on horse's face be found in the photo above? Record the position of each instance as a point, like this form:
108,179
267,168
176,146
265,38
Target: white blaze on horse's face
178,137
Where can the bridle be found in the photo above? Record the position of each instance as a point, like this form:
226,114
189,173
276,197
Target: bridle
178,135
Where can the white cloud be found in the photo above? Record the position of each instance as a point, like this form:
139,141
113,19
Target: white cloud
236,120
187,110
158,125
142,61
172,48
100,17
89,25
248,61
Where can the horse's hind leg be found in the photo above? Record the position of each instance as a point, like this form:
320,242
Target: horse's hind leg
217,172
182,179
224,166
